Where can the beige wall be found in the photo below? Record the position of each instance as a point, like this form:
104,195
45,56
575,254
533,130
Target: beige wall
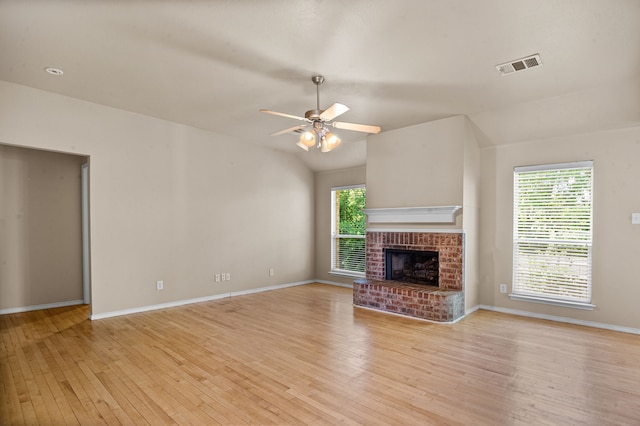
616,243
471,218
172,202
40,232
324,182
421,165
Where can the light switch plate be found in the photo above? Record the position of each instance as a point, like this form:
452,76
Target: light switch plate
635,218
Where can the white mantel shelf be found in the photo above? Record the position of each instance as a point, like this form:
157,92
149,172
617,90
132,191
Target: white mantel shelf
438,214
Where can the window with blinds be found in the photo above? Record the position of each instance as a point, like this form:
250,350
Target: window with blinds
348,225
552,232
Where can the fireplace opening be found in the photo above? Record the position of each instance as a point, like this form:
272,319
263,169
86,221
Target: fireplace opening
412,266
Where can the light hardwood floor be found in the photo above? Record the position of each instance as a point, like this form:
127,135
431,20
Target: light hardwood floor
305,355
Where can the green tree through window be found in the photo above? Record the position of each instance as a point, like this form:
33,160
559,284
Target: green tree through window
348,230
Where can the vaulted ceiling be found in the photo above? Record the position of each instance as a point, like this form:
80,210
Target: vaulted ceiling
214,64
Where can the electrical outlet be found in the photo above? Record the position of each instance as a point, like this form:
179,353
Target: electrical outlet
503,288
224,277
635,218
217,277
159,285
228,276
271,273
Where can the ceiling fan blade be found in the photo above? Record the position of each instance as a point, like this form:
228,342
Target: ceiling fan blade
333,111
289,130
356,127
282,114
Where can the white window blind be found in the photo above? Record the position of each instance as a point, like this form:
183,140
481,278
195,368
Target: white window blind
553,231
348,226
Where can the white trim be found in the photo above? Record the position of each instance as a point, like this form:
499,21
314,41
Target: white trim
436,214
347,274
555,318
196,300
156,307
557,166
39,307
554,302
334,283
472,310
408,316
269,288
86,256
421,230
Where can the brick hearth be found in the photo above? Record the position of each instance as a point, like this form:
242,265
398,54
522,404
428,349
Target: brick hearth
416,300
443,303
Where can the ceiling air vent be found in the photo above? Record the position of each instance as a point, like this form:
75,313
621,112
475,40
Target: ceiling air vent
519,64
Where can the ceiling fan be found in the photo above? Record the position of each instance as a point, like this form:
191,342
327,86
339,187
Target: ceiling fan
316,132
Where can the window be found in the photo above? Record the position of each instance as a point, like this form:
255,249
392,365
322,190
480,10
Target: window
348,225
552,231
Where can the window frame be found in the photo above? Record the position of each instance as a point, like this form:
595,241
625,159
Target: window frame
335,236
519,291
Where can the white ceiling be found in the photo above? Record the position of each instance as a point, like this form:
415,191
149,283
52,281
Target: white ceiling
214,64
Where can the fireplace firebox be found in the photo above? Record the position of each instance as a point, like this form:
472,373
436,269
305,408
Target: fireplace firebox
412,266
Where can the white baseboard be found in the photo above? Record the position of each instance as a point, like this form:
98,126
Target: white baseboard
39,307
273,287
557,319
196,300
334,283
472,310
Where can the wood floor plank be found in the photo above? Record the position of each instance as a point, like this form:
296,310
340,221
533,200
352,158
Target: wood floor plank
305,355
11,403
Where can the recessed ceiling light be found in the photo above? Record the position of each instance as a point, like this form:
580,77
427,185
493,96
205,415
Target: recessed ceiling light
54,71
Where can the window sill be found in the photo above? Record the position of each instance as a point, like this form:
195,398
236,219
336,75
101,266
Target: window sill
554,302
347,274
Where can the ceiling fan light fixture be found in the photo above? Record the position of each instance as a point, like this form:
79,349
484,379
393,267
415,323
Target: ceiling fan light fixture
308,139
333,141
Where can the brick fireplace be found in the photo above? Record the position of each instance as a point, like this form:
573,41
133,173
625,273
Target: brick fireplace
443,303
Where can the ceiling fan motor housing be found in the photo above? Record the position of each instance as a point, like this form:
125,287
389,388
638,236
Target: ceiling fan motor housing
313,114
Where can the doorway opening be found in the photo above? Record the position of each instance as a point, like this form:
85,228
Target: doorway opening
44,229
